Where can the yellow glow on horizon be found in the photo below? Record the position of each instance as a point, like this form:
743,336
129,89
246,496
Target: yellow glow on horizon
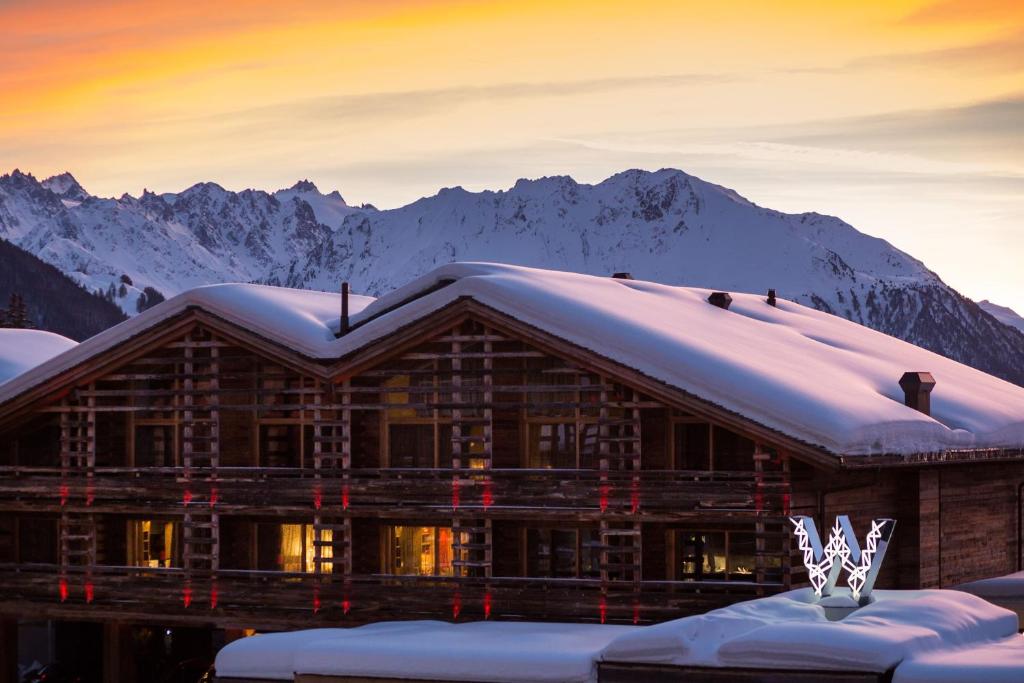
392,99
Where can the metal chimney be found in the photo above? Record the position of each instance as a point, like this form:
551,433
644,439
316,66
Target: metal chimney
343,326
720,299
623,276
771,297
917,388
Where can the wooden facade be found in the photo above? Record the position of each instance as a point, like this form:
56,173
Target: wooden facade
467,467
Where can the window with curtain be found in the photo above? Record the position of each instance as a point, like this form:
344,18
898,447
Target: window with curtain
298,549
419,551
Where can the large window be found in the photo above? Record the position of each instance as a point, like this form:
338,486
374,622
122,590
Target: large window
154,543
716,556
418,551
700,446
291,548
563,553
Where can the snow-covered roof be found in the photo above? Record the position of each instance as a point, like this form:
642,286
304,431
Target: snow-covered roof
22,350
809,375
511,652
792,631
789,631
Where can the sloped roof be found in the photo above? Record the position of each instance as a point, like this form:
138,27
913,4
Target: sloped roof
812,376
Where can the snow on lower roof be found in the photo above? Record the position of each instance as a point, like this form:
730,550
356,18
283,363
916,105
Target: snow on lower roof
22,350
998,662
810,375
791,631
505,652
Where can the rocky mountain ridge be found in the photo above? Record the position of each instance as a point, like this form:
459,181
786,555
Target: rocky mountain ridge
666,226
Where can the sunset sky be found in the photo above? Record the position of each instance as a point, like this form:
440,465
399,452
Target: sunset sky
905,118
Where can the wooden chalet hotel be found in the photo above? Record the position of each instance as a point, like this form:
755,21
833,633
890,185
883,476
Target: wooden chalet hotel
487,442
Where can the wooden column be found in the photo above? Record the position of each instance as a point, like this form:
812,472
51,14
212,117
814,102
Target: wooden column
8,650
930,528
118,654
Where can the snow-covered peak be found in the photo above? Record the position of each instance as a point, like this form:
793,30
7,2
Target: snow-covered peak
65,186
304,186
1003,314
665,226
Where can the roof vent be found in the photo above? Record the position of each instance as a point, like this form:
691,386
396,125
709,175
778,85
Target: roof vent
917,388
771,297
343,325
623,276
720,299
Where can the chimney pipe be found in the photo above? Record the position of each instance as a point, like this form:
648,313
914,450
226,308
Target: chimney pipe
344,326
771,297
917,388
720,299
622,276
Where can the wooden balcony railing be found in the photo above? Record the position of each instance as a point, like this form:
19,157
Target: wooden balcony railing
656,495
257,599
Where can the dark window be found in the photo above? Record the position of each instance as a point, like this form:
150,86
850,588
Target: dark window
111,439
37,540
280,445
154,446
552,445
732,451
563,553
412,445
692,445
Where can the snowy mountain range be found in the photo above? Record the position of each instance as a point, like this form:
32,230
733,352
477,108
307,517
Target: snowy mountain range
1005,315
666,226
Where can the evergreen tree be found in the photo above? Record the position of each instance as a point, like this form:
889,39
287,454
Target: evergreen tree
149,298
123,291
16,315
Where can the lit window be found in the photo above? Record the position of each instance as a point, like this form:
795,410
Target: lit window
419,551
298,549
153,543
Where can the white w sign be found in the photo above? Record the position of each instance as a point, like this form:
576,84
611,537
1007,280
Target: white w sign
824,563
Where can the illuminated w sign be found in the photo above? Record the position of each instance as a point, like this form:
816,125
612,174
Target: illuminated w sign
843,552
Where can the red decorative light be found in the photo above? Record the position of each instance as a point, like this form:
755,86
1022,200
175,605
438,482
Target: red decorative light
456,606
63,494
634,496
488,497
187,497
455,494
186,596
344,497
785,503
63,587
346,605
89,591
605,491
318,498
636,615
603,609
759,501
316,599
213,497
90,494
213,596
487,605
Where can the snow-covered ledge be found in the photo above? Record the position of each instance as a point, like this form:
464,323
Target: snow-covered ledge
911,634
